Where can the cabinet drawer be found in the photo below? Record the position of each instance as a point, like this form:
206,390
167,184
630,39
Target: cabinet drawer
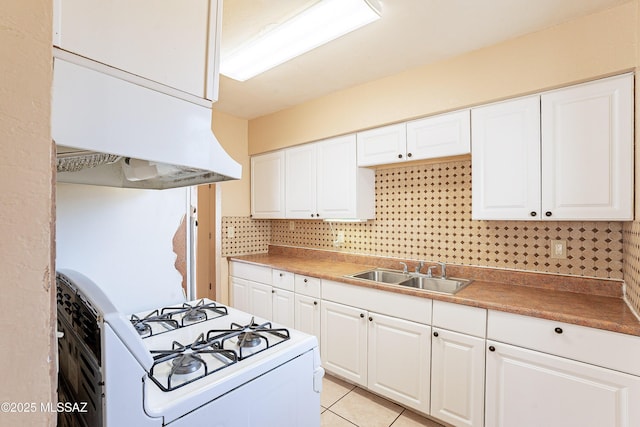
602,348
306,285
393,304
460,318
251,272
282,279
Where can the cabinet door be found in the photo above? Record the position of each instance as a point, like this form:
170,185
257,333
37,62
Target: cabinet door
382,145
307,315
398,360
283,307
343,341
505,146
587,151
239,293
530,389
300,178
337,178
439,136
171,42
267,185
260,300
457,378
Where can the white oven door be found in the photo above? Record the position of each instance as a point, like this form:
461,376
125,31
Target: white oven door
283,397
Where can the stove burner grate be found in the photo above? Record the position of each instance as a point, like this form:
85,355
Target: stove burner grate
247,339
143,325
189,363
194,313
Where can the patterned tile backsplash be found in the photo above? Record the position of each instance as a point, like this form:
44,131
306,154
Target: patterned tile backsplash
631,236
424,212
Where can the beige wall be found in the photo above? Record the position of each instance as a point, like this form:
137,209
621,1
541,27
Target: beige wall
28,350
592,46
631,230
232,133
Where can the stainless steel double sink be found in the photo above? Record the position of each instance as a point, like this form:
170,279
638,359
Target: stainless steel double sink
448,285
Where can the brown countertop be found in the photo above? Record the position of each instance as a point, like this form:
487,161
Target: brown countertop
551,300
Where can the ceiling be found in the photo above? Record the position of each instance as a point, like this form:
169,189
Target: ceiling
409,34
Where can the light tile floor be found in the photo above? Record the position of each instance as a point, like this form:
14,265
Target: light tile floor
345,405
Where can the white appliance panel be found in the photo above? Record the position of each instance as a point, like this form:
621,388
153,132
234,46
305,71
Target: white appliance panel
122,240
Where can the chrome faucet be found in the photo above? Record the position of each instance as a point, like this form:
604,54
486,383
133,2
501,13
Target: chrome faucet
419,266
429,273
405,269
443,269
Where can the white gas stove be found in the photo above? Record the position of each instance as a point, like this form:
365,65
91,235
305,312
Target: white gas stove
196,363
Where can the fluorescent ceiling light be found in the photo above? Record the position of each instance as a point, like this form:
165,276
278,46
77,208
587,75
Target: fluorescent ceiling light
324,21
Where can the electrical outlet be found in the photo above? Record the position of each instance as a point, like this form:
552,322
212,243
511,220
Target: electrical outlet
231,231
340,238
292,225
559,249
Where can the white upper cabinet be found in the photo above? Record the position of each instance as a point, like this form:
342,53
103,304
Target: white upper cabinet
267,185
587,151
300,181
322,181
432,137
562,155
505,160
175,43
382,145
439,136
343,189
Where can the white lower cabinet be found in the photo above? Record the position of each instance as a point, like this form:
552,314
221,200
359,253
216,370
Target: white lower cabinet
398,360
343,341
547,373
252,297
283,306
307,314
457,378
457,364
387,355
527,388
289,299
250,289
239,293
472,368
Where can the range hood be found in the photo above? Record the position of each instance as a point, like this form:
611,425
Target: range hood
115,129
